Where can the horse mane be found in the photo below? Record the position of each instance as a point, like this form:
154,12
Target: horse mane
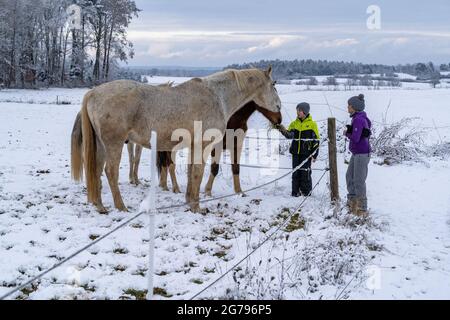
246,79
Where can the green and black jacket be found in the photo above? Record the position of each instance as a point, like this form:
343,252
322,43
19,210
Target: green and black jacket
304,129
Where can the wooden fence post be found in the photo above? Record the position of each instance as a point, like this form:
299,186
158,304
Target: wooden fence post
332,157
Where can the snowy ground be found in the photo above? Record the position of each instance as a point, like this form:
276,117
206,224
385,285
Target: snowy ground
402,252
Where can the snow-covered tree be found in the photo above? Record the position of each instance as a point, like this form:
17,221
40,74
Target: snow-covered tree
37,47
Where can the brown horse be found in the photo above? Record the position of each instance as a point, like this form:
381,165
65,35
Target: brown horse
238,122
121,110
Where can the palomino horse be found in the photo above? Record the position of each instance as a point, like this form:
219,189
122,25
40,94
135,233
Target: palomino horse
134,151
121,110
164,165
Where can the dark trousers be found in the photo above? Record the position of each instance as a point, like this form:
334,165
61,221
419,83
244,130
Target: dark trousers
301,179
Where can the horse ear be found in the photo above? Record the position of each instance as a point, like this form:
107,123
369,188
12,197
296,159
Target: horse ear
269,71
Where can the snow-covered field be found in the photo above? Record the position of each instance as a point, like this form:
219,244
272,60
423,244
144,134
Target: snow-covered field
403,251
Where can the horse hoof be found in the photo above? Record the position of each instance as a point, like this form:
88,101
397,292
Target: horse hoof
122,209
102,210
176,191
195,209
202,211
208,193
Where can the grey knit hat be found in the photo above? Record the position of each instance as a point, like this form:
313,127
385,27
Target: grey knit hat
305,107
358,103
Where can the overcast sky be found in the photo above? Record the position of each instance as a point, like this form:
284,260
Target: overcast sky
217,33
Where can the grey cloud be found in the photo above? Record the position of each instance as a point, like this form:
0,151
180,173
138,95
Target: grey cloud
210,33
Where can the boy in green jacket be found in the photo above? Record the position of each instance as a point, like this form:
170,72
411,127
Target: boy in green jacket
305,135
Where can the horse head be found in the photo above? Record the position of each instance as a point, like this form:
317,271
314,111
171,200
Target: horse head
266,97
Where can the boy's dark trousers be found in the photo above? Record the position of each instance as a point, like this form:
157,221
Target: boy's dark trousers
301,179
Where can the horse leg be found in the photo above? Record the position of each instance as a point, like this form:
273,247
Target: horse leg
163,179
173,176
164,168
214,171
197,172
236,167
195,176
189,184
137,161
100,167
113,156
131,158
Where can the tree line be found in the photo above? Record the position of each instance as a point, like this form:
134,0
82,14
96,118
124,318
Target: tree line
39,47
301,69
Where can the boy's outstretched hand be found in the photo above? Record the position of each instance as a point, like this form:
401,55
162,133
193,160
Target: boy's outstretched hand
285,132
281,128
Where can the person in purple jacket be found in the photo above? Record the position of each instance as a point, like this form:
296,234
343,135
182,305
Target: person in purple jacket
359,134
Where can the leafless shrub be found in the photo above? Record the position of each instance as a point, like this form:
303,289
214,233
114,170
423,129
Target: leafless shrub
333,251
260,281
400,141
441,150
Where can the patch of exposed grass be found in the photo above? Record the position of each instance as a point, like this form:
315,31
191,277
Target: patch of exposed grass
284,214
43,172
220,254
54,256
120,268
296,223
375,247
245,229
137,294
120,251
88,288
256,201
197,281
140,272
218,231
202,251
27,291
161,292
209,270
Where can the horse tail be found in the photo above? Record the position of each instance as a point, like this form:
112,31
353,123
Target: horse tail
76,150
90,152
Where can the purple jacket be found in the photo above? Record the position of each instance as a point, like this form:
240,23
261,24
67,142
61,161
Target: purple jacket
359,144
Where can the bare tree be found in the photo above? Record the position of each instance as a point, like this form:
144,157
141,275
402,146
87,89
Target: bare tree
38,48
